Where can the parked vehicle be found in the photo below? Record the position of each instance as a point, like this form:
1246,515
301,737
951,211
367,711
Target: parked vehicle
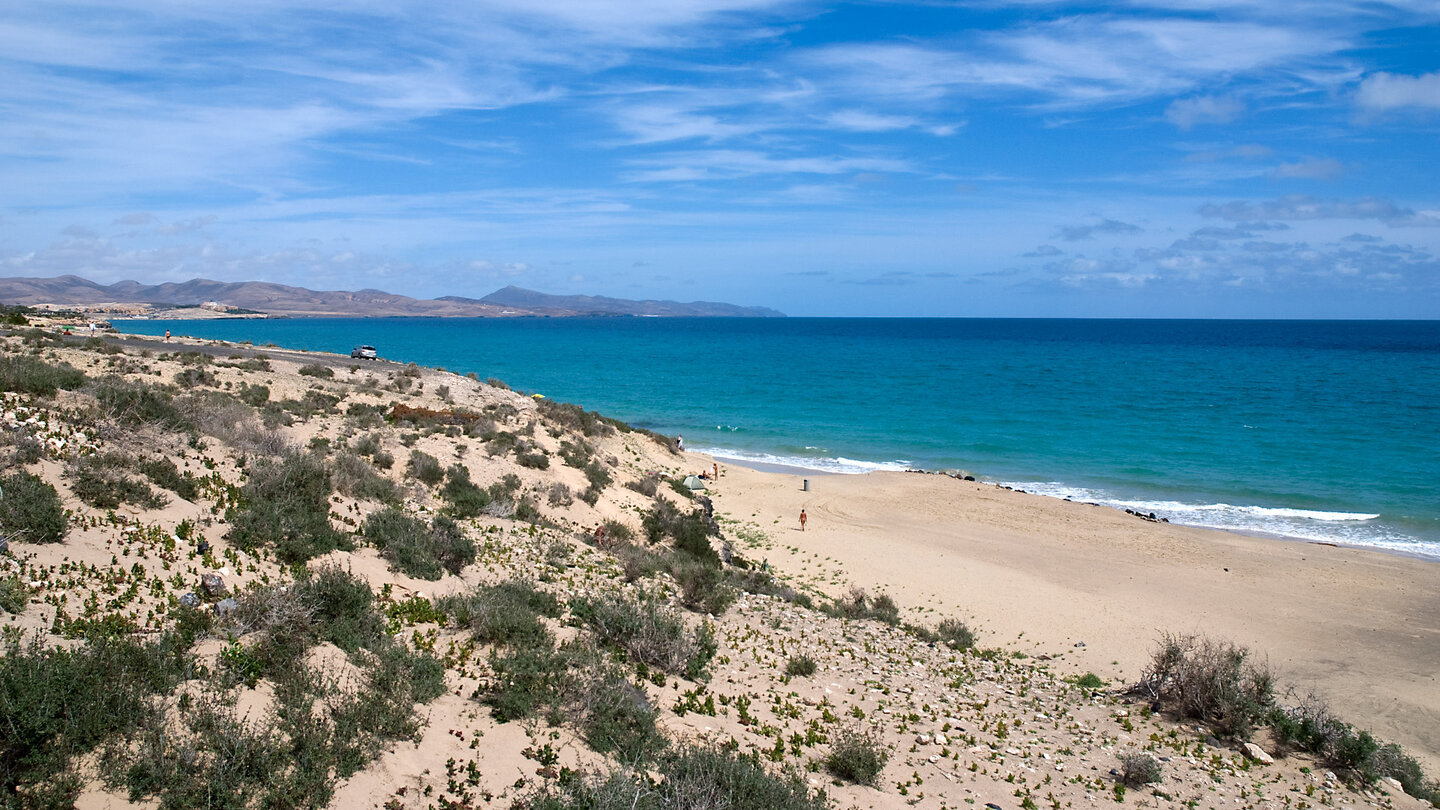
364,353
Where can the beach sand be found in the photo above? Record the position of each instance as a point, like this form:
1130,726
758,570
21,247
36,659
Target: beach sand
1040,575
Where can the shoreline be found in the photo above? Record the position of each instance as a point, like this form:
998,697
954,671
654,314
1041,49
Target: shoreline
803,471
1092,588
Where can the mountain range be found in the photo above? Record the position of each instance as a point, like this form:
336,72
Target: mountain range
282,300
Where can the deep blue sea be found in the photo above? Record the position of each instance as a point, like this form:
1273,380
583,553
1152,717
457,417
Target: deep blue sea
1319,430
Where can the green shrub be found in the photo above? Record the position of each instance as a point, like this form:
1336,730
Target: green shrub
317,370
800,665
286,505
649,633
101,482
61,703
253,395
466,499
684,779
30,509
28,375
343,609
418,550
425,468
857,755
163,473
135,403
353,476
703,586
1090,681
505,614
1209,680
690,531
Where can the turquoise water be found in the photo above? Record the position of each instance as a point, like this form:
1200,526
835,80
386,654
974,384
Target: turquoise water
1318,430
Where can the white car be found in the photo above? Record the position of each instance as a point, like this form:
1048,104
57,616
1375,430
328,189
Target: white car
364,353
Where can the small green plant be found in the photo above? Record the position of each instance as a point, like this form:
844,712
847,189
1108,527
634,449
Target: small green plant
1089,681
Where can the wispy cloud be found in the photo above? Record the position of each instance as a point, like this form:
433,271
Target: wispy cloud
1304,207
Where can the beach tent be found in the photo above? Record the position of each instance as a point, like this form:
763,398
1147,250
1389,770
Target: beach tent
694,482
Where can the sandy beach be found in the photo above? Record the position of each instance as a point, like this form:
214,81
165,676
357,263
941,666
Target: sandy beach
1359,628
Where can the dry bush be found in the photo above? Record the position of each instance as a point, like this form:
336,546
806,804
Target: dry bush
1138,770
1211,680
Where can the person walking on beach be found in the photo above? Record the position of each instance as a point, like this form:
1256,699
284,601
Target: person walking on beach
167,335
802,520
680,443
717,470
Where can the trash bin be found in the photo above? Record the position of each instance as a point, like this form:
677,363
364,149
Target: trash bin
805,485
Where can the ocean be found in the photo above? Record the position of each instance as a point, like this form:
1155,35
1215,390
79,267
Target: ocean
1319,430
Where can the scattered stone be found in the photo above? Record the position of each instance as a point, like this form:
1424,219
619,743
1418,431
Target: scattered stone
225,607
190,600
941,739
213,585
1258,754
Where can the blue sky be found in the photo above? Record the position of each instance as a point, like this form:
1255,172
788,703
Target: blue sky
1207,158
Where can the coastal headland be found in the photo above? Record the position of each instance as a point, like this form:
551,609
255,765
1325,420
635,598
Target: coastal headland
304,579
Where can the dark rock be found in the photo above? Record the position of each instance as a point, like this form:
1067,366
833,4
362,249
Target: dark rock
213,585
4,545
203,547
225,607
190,600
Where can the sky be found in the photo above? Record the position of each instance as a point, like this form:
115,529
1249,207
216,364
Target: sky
1139,158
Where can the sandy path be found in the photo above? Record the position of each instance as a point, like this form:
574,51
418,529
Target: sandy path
1041,575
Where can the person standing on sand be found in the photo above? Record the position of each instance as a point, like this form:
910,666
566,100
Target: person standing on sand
680,443
717,471
167,335
802,520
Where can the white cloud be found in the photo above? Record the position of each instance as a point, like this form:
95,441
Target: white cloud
1388,91
1190,112
1320,169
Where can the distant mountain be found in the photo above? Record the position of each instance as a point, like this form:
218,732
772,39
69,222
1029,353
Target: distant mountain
542,303
279,299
